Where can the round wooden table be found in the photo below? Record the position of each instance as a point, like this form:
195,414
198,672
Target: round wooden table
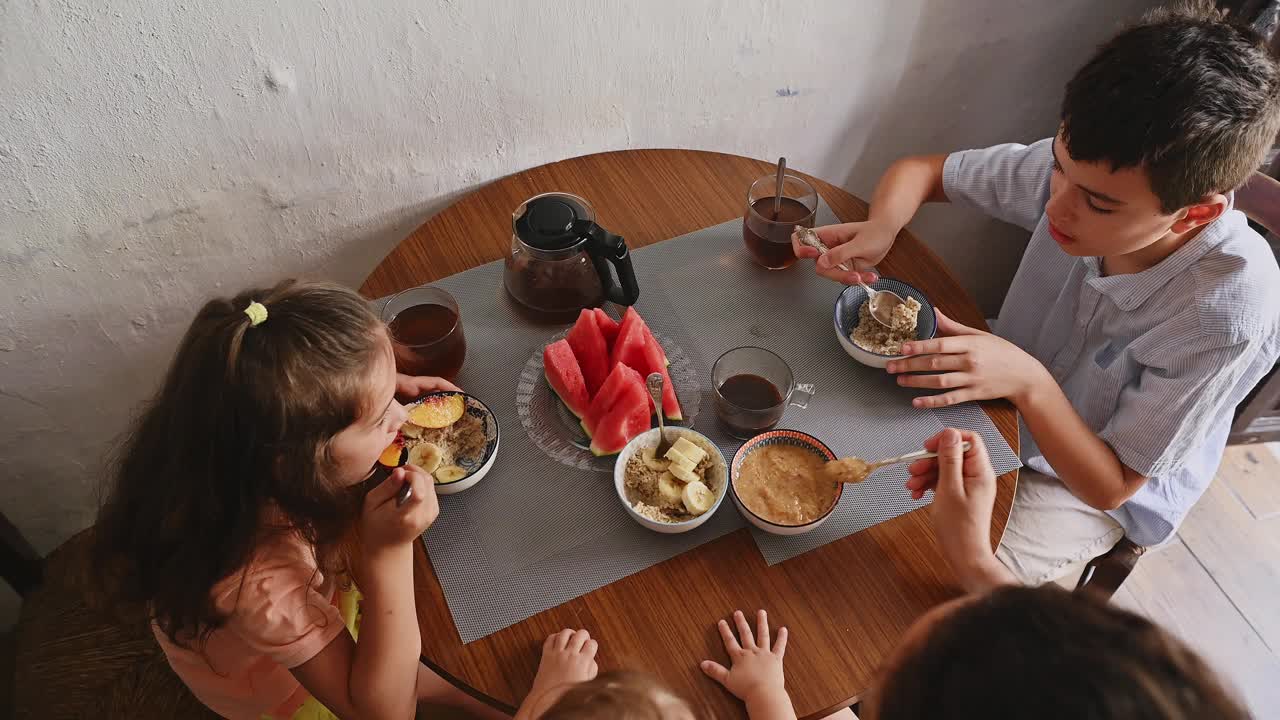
846,603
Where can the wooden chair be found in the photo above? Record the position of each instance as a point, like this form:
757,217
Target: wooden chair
1257,419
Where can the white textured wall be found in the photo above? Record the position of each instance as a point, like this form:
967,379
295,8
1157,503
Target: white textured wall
154,152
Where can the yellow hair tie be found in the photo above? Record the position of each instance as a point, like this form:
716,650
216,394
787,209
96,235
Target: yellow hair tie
257,312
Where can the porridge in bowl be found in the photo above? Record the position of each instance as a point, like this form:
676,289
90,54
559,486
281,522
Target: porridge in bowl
871,336
784,485
674,488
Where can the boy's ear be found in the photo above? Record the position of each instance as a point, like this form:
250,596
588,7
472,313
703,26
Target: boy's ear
1202,213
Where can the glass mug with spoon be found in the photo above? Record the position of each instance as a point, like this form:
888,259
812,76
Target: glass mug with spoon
753,389
776,204
425,325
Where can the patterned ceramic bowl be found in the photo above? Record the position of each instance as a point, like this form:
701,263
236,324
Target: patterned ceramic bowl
781,437
846,318
480,465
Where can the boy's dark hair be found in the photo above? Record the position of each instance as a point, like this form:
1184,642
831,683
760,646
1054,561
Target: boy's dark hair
1049,654
1189,97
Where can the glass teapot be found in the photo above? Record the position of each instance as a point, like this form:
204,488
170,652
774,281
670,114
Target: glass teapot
561,261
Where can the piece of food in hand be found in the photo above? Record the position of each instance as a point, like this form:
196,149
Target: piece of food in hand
670,490
394,455
448,474
697,497
426,456
651,459
689,450
682,473
438,411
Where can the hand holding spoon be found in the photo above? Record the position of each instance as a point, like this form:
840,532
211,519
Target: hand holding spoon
882,301
855,469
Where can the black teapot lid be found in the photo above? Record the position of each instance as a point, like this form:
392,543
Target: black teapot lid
553,222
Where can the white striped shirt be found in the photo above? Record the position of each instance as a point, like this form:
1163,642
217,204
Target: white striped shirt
1155,362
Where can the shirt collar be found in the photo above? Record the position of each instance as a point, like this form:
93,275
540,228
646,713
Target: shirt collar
1130,290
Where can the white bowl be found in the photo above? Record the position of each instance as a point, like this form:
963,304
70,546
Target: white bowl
789,437
846,319
717,477
492,433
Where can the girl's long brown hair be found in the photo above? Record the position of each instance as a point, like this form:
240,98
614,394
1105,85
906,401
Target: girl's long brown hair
241,426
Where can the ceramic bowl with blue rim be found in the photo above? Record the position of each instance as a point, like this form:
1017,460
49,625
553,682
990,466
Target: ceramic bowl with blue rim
846,319
781,437
479,465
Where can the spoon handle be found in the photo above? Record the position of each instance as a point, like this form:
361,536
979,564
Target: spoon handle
912,457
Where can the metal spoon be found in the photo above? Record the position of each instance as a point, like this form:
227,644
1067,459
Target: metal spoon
777,190
654,383
855,469
882,301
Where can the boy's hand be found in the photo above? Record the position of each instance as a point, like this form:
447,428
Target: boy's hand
383,524
972,364
568,658
755,672
859,245
411,387
964,486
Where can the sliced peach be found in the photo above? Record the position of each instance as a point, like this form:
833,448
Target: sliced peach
438,411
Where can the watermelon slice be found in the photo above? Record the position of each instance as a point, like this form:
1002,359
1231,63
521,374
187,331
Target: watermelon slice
619,379
591,350
628,418
628,349
608,326
656,362
565,376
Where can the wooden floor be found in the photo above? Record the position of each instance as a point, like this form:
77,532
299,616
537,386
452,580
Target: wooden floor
1217,585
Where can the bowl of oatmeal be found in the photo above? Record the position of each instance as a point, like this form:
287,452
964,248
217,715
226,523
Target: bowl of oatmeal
776,483
871,343
452,436
676,493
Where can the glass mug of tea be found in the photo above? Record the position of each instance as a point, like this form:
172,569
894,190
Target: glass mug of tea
766,231
426,332
753,388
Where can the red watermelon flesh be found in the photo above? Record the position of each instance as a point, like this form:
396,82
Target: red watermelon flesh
656,362
629,347
619,379
608,326
590,349
565,376
628,418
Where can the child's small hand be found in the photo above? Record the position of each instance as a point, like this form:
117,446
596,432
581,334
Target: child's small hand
755,672
858,245
412,387
970,363
383,524
568,658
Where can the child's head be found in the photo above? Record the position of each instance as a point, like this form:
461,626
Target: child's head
619,696
1164,120
254,426
1044,653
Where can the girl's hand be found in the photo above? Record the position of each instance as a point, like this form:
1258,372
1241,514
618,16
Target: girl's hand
409,387
383,525
568,658
859,245
755,672
970,363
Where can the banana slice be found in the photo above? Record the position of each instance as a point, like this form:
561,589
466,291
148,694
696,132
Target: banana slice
426,456
652,461
411,430
682,473
678,458
449,473
689,450
669,490
697,498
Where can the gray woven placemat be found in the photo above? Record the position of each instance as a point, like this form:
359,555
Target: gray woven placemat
536,533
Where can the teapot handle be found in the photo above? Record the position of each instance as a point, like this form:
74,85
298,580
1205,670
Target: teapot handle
607,249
